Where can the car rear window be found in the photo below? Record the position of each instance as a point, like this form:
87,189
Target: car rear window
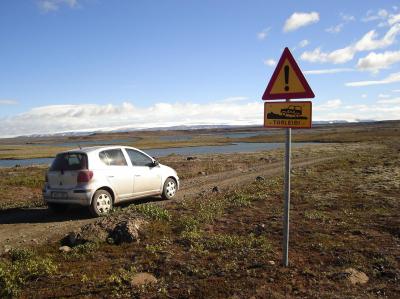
69,161
113,157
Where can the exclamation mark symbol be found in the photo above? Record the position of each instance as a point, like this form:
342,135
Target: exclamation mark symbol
286,69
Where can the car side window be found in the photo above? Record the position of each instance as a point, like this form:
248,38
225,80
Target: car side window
113,157
139,159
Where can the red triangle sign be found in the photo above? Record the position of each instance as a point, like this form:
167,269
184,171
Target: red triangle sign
287,81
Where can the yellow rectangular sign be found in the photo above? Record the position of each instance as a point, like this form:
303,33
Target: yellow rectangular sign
295,115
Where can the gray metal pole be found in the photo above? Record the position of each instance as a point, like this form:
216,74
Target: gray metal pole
287,198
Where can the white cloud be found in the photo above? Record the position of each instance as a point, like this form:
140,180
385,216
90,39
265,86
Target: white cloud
338,56
8,102
304,43
299,19
364,96
380,15
367,43
356,112
383,96
347,18
395,77
87,117
335,29
53,5
377,61
234,99
390,101
332,104
396,90
270,62
393,19
263,34
328,71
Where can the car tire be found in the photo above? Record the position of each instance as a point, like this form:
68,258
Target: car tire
102,203
169,189
57,208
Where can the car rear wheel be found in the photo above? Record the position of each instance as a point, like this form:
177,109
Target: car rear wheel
102,203
169,189
57,207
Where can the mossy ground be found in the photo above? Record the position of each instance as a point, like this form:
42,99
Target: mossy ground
344,213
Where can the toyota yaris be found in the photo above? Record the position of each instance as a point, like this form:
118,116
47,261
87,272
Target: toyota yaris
100,177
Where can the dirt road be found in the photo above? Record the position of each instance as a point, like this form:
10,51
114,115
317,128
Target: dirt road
23,227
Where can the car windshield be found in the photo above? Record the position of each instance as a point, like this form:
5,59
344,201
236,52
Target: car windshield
69,161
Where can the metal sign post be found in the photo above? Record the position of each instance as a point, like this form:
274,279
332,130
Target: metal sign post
288,144
287,82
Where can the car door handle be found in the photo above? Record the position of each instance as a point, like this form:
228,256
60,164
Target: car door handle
110,176
138,175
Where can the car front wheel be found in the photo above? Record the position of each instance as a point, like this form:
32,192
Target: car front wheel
169,189
102,203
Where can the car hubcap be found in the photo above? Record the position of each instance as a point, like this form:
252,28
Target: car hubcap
171,189
103,203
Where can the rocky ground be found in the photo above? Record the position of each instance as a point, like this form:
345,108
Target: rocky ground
221,237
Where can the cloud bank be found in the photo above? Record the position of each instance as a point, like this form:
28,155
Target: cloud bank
230,111
88,117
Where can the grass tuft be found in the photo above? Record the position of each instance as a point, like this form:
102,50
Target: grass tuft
24,266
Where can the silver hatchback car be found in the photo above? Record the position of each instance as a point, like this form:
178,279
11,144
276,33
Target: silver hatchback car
100,177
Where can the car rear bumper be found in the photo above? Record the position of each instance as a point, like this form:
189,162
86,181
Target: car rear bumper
76,196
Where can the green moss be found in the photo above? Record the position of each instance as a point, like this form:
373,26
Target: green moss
24,266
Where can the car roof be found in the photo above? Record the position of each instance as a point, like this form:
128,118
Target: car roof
98,148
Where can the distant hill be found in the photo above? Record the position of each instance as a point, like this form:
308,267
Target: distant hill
183,127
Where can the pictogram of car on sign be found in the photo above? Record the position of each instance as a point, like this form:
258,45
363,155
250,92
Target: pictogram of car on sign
292,111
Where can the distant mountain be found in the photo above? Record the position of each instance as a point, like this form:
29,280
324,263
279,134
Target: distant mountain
183,127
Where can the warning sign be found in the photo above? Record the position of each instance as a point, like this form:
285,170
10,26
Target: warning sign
287,81
296,115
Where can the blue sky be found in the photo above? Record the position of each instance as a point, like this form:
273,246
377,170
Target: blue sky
96,64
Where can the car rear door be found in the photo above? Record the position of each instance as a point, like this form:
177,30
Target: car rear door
147,177
117,172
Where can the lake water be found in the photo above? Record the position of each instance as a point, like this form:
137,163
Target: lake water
176,138
241,147
75,144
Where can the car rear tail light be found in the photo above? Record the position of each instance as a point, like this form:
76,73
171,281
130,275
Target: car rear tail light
84,176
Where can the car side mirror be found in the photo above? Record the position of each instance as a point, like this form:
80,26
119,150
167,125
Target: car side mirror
155,163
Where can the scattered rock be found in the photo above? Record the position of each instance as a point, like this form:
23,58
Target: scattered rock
143,278
260,178
191,158
355,276
202,173
72,239
272,263
107,229
215,189
7,248
17,165
65,249
35,241
126,232
259,229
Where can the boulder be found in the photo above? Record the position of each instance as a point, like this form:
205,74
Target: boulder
355,276
108,229
126,232
64,249
260,178
143,278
